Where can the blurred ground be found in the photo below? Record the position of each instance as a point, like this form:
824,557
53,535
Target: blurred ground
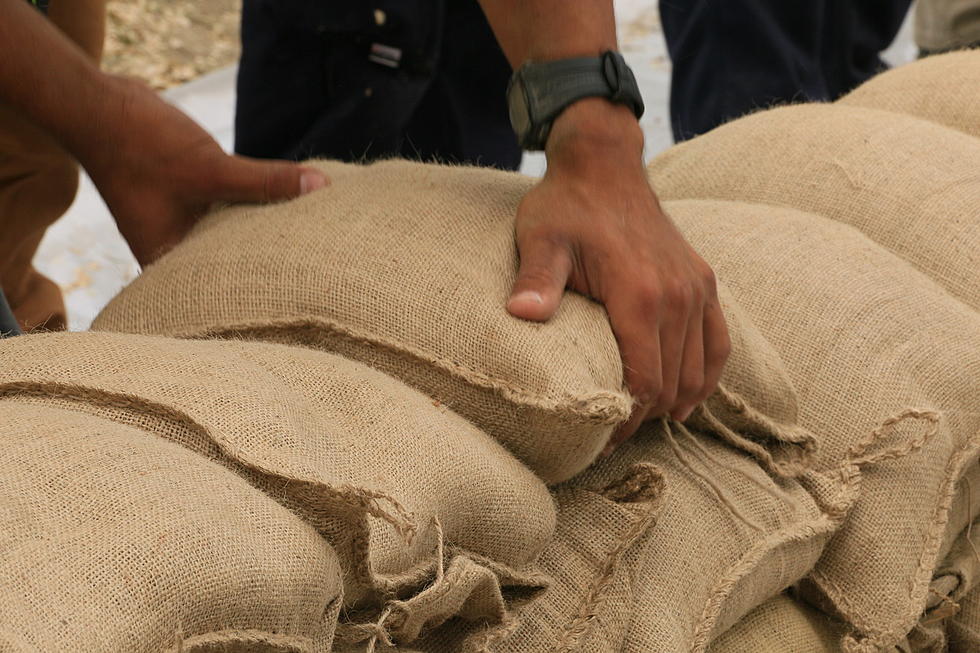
170,42
189,48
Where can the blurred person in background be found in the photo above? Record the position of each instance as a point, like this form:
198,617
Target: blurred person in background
156,169
944,25
38,180
732,57
428,79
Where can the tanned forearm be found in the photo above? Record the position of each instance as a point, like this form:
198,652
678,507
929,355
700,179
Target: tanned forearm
544,30
593,224
49,78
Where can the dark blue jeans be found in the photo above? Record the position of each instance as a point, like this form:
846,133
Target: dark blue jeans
344,79
733,56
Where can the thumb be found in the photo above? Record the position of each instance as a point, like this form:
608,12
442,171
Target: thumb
541,280
252,180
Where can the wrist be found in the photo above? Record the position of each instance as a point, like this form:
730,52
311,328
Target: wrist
595,131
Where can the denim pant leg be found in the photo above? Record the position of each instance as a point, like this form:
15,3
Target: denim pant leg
731,57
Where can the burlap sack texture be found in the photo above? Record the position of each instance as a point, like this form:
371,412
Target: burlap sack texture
413,281
963,629
780,625
406,267
663,546
430,517
909,184
944,89
730,534
873,347
114,540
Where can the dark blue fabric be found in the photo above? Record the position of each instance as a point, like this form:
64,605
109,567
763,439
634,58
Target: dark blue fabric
8,323
731,57
306,86
40,4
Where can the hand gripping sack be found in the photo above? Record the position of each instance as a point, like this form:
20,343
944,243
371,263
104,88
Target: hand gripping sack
887,370
118,541
406,267
908,184
429,516
681,531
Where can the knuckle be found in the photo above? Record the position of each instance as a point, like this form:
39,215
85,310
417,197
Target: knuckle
723,349
537,275
678,294
709,278
649,296
645,391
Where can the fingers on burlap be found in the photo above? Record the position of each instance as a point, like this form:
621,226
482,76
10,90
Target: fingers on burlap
375,274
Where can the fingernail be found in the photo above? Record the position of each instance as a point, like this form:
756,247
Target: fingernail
528,296
310,181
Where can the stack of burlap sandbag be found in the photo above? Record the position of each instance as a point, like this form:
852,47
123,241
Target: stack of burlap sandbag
434,506
849,232
313,426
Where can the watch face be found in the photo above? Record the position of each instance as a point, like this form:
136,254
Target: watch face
517,104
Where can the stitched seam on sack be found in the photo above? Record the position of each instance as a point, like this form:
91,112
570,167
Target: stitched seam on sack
610,407
354,497
364,499
801,531
850,472
932,542
580,627
282,643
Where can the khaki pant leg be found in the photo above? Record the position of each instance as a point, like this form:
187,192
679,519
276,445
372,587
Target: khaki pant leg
38,181
942,25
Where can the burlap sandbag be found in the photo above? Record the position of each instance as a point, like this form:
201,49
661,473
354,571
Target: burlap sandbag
406,267
963,629
911,185
943,89
875,349
664,545
625,546
114,540
430,517
782,625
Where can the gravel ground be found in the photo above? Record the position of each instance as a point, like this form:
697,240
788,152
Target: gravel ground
170,42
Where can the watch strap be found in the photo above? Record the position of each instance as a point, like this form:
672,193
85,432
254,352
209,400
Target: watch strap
551,86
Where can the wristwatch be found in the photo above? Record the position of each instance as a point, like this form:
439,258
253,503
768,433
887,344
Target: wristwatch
539,92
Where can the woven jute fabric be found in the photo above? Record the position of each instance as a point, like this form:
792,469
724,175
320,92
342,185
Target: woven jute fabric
666,543
782,625
430,517
406,267
675,499
953,581
943,89
115,540
963,629
909,184
887,371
